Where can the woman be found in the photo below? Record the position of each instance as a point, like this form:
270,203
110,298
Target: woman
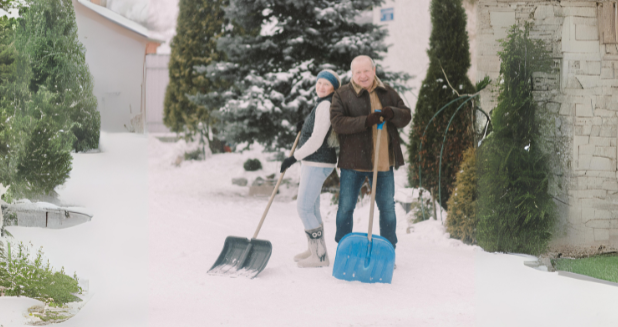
318,161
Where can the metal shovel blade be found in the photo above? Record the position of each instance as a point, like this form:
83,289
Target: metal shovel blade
358,259
242,257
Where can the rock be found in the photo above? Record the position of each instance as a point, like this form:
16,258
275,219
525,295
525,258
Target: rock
546,261
262,187
241,181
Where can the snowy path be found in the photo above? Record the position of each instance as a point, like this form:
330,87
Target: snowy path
157,229
186,240
111,251
438,281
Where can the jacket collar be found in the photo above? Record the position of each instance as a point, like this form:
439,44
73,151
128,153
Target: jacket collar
358,90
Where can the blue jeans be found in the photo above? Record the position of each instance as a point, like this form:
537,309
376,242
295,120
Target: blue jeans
308,205
351,182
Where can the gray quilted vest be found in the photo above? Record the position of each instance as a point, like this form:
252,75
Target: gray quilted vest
325,153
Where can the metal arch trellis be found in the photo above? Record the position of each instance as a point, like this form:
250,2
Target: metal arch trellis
420,146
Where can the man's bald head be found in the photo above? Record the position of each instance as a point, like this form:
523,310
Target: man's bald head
362,58
363,71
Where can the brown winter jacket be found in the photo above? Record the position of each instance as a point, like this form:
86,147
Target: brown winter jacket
348,112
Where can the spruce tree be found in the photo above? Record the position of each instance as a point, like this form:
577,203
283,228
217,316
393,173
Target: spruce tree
515,211
448,51
48,40
200,23
274,50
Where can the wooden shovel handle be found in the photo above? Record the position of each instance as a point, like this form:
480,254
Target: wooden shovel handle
272,197
374,182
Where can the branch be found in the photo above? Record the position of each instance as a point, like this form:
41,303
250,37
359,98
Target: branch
449,83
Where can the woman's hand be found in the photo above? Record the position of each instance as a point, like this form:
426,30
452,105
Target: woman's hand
287,162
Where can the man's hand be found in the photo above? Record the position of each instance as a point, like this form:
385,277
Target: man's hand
388,113
374,118
287,162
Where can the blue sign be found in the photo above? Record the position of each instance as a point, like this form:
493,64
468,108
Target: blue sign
387,14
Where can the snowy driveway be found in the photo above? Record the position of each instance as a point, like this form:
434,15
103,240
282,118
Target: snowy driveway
157,229
438,281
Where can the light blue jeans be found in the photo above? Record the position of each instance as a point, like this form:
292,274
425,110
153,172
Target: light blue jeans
308,205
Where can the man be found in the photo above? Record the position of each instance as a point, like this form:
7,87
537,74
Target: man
354,118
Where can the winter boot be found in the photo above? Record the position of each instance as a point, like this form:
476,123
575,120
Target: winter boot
317,246
307,253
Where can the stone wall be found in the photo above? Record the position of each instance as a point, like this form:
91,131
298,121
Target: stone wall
579,103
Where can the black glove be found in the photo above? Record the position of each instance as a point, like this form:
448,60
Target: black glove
374,118
299,126
287,162
388,113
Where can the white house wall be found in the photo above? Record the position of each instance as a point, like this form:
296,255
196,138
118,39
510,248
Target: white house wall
115,56
157,78
408,39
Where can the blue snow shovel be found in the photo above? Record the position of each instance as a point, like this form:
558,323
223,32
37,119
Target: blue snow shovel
365,257
243,257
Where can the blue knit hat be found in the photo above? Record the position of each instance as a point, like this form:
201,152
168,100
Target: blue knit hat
330,76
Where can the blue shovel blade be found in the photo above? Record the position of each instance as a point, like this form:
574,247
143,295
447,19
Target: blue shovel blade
364,261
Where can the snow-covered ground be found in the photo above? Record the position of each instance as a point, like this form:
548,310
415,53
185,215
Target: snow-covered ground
158,228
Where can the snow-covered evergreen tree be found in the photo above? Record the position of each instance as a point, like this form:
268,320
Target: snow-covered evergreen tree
275,48
47,38
47,104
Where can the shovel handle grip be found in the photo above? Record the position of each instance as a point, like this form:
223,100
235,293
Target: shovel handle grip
272,197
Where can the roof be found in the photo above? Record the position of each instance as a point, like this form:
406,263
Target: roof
119,19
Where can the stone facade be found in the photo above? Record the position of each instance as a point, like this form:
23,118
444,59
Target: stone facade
579,102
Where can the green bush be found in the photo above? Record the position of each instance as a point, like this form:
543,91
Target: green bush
515,211
461,219
34,279
422,210
252,165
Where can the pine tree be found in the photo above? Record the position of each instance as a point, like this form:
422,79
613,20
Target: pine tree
274,50
8,57
46,160
200,23
14,94
515,211
448,50
48,39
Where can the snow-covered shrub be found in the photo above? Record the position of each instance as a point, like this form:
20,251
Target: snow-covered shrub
252,165
461,219
34,278
515,211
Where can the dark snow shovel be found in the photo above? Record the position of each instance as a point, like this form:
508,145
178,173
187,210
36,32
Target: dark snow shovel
362,256
247,257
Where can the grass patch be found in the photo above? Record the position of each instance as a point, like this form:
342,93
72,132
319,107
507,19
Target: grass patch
603,267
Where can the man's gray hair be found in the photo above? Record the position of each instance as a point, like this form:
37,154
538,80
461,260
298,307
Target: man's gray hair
373,63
